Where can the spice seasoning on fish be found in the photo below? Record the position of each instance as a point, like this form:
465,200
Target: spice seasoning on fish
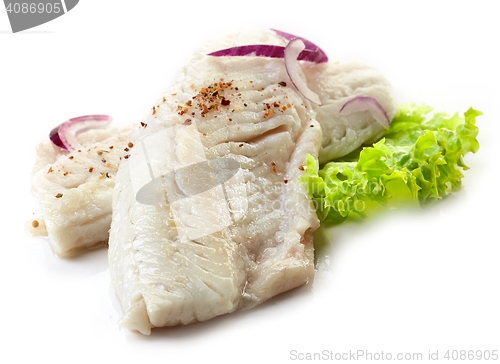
59,195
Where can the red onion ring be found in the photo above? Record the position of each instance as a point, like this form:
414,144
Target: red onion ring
292,51
365,103
264,50
64,135
310,46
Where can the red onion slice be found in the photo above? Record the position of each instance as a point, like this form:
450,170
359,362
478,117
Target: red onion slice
64,135
265,50
365,103
292,51
310,46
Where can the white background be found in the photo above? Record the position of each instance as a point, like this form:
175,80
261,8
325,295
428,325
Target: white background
411,281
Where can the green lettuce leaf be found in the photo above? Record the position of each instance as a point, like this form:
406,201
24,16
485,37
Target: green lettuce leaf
418,161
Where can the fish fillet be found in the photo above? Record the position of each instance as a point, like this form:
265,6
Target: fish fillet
75,189
187,258
188,245
336,83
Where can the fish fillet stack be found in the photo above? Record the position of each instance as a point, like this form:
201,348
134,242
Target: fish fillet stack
207,214
188,245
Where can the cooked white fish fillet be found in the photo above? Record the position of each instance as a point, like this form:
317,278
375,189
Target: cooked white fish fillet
75,189
194,256
336,83
183,249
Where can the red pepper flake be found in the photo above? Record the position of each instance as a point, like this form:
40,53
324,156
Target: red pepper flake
204,134
143,124
230,119
225,102
79,151
50,170
284,108
164,99
205,109
187,122
241,145
274,169
126,149
59,195
66,173
282,83
71,157
111,147
154,110
286,181
91,169
288,105
127,156
302,167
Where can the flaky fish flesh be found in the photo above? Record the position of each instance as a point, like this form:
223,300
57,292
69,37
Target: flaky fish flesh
208,214
75,189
